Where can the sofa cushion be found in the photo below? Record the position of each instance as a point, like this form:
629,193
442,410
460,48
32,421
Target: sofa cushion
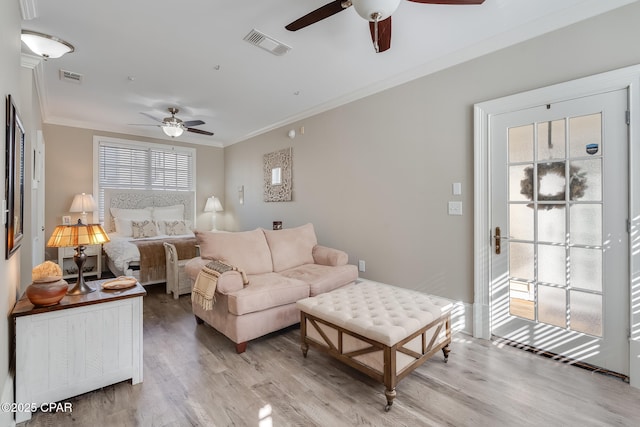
266,291
247,250
291,247
322,278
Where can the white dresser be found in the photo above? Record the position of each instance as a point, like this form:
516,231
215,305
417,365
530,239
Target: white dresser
81,344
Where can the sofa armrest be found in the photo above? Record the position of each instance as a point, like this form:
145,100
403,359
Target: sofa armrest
328,256
229,281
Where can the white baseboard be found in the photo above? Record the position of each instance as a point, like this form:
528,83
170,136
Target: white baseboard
7,418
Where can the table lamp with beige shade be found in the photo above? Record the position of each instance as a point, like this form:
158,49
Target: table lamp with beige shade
78,236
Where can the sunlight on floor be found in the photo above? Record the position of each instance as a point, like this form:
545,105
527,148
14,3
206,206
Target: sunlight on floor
264,416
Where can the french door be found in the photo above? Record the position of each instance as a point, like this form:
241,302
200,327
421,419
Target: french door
560,242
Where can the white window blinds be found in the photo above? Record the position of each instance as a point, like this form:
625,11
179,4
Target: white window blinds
143,166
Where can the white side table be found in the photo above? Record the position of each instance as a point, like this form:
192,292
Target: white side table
65,261
81,344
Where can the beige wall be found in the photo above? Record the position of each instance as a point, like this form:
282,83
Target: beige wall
375,176
9,269
69,171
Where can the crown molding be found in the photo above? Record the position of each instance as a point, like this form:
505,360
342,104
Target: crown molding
34,63
28,9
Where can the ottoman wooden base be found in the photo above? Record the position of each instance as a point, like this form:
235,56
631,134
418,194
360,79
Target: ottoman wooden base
385,363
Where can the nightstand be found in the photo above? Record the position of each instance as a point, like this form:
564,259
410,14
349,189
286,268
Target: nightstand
69,268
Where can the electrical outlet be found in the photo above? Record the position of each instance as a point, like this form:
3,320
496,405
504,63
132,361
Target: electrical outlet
361,266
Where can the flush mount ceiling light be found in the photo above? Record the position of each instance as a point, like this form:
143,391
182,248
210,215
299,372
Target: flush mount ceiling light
45,45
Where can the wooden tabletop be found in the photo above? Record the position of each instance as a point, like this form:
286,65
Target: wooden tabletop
24,307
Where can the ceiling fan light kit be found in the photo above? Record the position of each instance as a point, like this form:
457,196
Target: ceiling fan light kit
377,10
172,130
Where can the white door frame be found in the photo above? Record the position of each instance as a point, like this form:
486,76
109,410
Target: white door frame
628,77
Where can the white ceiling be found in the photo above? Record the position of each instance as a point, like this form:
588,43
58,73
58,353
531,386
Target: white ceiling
144,56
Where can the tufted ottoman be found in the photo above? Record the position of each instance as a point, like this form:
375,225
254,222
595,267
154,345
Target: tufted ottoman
383,331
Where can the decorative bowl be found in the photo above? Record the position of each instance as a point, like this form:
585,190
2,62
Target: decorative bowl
47,291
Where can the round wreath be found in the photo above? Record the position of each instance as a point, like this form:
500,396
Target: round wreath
577,183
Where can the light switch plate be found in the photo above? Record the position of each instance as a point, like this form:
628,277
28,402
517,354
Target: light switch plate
455,208
457,189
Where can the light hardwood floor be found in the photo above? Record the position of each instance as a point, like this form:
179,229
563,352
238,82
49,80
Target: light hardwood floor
193,377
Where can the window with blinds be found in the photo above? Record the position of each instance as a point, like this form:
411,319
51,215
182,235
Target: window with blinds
142,166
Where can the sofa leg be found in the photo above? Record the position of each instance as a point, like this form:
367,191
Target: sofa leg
241,347
199,321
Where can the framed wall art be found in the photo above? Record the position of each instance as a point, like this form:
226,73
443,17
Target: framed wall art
278,180
14,178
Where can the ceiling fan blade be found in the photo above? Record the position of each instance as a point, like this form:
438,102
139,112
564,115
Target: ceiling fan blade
193,123
454,2
140,124
319,14
384,34
152,118
202,132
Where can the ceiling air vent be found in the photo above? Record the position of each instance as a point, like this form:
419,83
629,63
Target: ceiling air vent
70,76
267,43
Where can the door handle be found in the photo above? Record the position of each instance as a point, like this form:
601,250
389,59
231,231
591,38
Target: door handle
497,240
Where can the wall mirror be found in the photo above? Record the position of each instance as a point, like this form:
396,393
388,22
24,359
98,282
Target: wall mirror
277,176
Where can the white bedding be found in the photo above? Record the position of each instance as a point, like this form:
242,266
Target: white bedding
122,252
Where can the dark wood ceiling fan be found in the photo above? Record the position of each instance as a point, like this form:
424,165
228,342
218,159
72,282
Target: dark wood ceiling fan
377,12
173,126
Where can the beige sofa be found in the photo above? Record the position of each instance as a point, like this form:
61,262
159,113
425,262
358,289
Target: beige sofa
282,266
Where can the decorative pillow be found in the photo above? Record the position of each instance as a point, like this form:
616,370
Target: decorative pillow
247,250
144,228
291,247
175,228
131,214
169,213
123,227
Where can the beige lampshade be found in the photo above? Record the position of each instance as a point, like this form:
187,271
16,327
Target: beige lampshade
213,205
83,203
77,235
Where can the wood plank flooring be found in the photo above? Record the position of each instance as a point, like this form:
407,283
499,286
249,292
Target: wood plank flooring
193,377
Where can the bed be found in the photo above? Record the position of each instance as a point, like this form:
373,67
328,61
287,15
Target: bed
139,222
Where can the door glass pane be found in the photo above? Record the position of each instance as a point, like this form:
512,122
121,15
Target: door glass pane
585,135
551,140
586,268
520,185
521,144
551,181
521,260
586,176
552,224
521,302
586,313
586,224
520,222
552,265
552,306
